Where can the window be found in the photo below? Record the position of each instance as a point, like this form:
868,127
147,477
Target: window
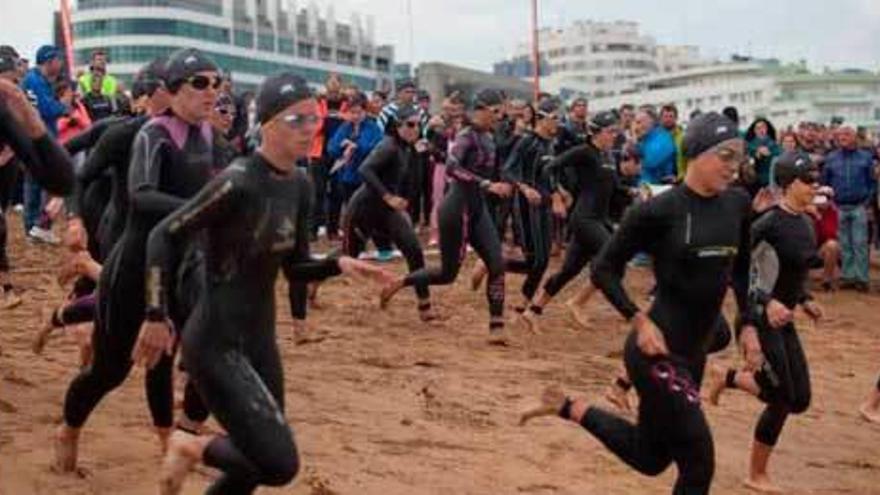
244,38
306,50
214,7
325,53
266,43
165,27
286,46
579,50
382,65
345,57
366,61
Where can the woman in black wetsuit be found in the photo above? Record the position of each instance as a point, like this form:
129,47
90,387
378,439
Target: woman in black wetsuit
527,169
255,218
171,160
785,235
463,216
589,221
379,207
698,234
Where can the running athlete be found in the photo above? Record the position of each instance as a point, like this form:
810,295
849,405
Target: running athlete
785,236
255,217
698,234
463,217
171,161
589,222
379,205
526,168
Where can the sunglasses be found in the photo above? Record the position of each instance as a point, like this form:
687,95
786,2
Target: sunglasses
202,83
226,111
297,121
551,116
731,155
411,124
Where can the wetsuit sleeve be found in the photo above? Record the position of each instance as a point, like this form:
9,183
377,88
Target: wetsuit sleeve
571,158
300,266
47,162
460,154
377,161
89,137
148,155
740,278
213,204
635,234
512,171
109,150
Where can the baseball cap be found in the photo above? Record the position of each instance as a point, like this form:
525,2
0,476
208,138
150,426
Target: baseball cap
47,53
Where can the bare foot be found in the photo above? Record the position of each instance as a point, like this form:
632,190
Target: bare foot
66,449
43,335
10,300
428,315
618,397
498,336
869,414
182,455
552,400
478,275
717,383
577,317
761,484
532,323
389,291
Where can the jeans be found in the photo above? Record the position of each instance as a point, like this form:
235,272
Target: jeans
33,206
854,243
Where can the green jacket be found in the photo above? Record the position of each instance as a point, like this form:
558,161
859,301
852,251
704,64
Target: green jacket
109,86
680,160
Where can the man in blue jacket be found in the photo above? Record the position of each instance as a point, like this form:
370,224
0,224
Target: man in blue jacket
850,172
656,148
349,146
39,85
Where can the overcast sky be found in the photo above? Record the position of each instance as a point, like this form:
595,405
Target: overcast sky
476,33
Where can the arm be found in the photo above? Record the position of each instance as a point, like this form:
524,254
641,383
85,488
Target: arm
212,205
512,171
740,279
635,234
299,266
376,162
335,145
89,138
460,153
569,159
148,155
49,107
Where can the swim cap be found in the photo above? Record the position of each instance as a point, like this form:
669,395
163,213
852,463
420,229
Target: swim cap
706,131
603,120
279,92
793,165
186,63
487,98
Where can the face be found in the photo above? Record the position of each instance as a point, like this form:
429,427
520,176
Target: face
761,129
486,117
408,130
195,99
669,119
376,104
66,97
99,62
356,113
801,192
626,117
222,117
547,124
579,110
643,123
847,138
53,67
293,130
718,167
407,95
604,139
789,143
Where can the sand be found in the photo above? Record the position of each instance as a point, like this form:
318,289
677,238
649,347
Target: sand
385,405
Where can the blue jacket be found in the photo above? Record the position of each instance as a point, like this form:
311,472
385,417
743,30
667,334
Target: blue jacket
368,137
851,174
658,153
37,86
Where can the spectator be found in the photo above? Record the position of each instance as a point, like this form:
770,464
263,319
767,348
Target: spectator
378,100
222,120
406,95
9,172
826,225
788,143
850,173
97,78
763,149
348,148
573,131
656,149
420,174
99,105
330,109
669,121
441,132
732,113
78,120
38,83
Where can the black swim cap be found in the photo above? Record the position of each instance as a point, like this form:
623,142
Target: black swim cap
706,131
186,63
149,78
8,58
279,92
548,106
793,165
487,98
603,120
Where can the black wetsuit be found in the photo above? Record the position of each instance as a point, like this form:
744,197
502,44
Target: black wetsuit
385,171
589,222
700,245
784,379
463,218
256,223
47,162
171,161
528,165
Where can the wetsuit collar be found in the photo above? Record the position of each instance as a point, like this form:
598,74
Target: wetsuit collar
263,159
693,193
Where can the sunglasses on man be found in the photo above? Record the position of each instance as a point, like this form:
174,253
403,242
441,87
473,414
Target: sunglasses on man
201,83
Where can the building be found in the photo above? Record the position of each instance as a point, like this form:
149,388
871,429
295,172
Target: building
785,95
675,58
588,57
440,80
250,38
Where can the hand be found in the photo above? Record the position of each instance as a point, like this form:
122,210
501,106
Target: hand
85,265
501,189
567,198
532,196
395,202
54,207
154,340
764,200
813,310
763,150
630,168
76,238
559,208
421,146
21,109
778,315
348,143
751,348
6,155
650,340
357,268
436,121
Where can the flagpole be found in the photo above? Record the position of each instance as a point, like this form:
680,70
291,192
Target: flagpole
67,32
